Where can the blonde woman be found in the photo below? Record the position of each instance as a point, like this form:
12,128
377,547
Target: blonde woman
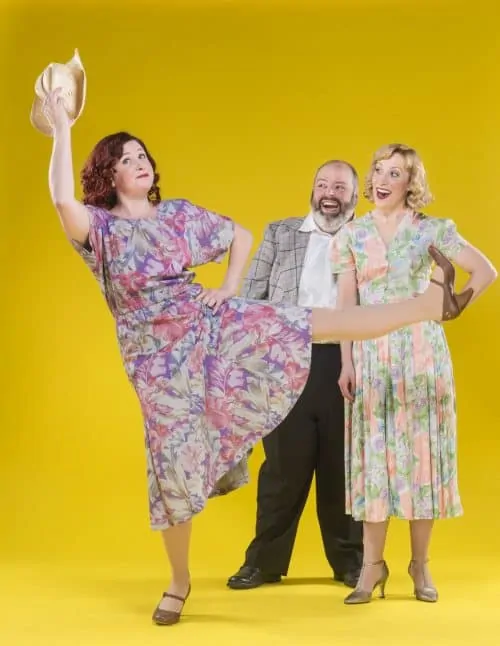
401,458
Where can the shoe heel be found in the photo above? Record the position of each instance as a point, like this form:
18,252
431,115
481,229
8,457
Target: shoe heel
463,299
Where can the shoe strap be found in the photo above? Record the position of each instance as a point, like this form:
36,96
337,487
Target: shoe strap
173,596
373,564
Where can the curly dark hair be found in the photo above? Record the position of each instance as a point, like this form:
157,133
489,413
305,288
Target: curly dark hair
97,174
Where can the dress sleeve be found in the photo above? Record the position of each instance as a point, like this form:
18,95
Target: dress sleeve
208,234
92,251
448,240
341,256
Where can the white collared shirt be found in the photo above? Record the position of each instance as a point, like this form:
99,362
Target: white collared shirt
318,287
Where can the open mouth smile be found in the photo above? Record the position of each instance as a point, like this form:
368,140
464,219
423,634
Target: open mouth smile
382,193
330,205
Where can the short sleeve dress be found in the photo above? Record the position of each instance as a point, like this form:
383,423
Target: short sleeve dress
400,448
210,385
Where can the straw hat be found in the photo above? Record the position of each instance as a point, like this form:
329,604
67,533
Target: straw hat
71,78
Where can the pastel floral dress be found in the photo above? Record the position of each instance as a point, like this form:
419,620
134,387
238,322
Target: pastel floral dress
401,452
210,385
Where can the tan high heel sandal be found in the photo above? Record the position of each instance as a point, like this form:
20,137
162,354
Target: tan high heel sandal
424,592
365,596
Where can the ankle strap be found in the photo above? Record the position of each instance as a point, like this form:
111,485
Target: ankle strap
381,562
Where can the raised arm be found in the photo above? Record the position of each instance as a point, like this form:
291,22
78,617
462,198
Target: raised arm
256,283
72,213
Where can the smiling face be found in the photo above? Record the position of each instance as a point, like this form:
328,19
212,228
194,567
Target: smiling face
133,174
333,191
390,182
397,179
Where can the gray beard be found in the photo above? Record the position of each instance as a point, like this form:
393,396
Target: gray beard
329,224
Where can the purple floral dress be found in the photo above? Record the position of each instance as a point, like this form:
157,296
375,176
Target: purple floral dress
210,385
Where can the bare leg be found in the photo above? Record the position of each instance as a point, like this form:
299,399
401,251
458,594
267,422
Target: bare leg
371,321
420,534
374,571
374,537
177,540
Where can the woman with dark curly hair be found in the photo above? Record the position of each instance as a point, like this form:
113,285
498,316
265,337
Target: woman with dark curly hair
213,373
97,174
401,458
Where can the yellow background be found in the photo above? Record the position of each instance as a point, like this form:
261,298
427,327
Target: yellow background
239,103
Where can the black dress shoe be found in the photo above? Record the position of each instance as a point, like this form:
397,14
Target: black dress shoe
249,577
350,579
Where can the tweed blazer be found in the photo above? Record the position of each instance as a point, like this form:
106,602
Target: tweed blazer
277,266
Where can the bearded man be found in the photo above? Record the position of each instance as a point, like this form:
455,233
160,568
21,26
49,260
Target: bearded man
292,265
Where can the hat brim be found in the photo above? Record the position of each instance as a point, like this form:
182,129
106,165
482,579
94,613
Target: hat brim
72,80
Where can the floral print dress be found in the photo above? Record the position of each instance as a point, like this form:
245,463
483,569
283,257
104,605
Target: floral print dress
401,453
210,385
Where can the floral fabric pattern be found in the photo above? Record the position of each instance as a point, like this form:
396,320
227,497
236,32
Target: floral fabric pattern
210,385
401,454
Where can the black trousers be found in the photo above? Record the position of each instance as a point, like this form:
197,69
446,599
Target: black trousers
309,441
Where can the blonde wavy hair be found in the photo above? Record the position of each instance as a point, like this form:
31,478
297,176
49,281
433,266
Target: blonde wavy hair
419,194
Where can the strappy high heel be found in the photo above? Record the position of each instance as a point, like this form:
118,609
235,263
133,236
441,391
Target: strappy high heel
453,304
169,617
365,596
424,592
